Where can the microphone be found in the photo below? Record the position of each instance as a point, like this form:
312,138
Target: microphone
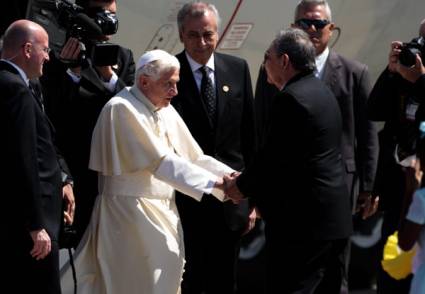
91,27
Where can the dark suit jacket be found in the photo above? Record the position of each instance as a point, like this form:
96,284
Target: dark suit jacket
74,109
32,182
388,102
350,83
298,183
233,141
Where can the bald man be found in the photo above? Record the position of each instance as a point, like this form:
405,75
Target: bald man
32,187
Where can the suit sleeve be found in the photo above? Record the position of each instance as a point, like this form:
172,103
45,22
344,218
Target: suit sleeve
66,173
126,78
264,94
276,153
366,134
248,127
23,127
383,97
419,87
59,91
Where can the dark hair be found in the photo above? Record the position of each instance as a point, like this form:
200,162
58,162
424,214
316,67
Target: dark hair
297,45
85,3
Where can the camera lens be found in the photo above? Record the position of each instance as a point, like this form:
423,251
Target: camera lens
407,55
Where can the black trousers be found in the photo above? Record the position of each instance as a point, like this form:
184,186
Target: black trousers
306,267
24,274
211,248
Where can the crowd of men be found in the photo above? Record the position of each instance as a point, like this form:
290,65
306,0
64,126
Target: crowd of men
172,159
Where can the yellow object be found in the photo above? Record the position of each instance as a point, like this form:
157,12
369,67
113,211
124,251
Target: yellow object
396,262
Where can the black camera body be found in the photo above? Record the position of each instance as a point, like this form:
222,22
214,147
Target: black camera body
409,50
63,19
83,26
88,29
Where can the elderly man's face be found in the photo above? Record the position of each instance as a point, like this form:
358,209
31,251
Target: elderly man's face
200,37
161,91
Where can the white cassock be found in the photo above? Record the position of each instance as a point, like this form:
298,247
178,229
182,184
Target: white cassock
134,241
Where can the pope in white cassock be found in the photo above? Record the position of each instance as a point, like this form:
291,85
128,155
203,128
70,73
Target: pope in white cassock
142,151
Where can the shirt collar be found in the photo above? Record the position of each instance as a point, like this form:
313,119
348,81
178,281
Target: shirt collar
195,66
142,98
320,62
20,71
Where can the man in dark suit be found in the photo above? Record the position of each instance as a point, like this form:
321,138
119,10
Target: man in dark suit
298,184
349,81
75,95
224,128
33,182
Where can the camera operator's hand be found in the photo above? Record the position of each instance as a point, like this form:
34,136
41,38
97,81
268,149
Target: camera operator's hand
413,73
105,72
394,55
71,52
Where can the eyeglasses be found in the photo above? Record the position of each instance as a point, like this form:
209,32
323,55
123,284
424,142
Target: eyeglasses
46,50
305,23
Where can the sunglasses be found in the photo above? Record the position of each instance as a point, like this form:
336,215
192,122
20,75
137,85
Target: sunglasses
305,23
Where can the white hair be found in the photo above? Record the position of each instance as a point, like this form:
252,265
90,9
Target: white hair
155,68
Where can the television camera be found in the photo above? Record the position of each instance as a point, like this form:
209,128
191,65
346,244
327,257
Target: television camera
63,19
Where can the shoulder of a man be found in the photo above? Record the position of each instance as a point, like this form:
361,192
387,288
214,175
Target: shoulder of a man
309,90
12,86
124,51
8,78
348,63
230,58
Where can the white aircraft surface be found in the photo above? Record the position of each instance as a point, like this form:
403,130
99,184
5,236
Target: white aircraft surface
247,28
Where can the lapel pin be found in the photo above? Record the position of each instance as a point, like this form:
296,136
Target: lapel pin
226,88
115,66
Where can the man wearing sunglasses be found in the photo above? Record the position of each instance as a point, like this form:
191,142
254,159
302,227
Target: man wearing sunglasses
350,83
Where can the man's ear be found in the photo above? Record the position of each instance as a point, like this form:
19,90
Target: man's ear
331,27
27,48
143,81
284,60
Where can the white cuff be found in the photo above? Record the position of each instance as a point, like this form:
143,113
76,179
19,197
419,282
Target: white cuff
75,78
112,82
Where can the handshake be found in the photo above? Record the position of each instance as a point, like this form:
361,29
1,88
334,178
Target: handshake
228,185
